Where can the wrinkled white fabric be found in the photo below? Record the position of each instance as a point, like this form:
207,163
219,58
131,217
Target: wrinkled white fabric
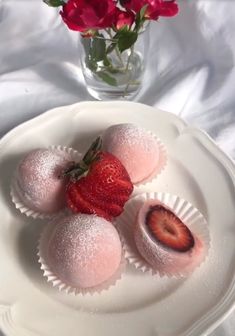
190,69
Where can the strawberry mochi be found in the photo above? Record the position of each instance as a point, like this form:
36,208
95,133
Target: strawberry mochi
165,242
84,251
37,180
137,149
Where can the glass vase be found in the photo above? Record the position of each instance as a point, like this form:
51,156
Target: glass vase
109,73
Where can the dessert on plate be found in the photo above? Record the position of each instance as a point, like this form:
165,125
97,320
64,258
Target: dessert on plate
81,253
165,242
163,234
140,151
37,184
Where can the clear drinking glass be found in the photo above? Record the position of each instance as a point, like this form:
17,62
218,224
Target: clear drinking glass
110,74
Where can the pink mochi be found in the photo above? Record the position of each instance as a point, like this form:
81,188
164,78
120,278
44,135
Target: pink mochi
162,259
84,250
38,184
137,149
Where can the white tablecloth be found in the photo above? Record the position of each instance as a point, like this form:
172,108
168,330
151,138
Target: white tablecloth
190,70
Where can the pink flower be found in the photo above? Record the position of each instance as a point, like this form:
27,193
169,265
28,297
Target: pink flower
154,9
123,18
83,15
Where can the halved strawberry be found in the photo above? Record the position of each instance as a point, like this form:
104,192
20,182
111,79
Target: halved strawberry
99,184
77,203
104,203
168,229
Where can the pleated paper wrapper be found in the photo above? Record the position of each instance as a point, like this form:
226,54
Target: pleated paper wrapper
58,283
16,194
189,215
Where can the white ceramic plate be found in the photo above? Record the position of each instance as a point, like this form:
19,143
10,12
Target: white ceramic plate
139,305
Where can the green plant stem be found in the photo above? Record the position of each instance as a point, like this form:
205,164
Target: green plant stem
105,38
129,58
127,66
116,47
113,69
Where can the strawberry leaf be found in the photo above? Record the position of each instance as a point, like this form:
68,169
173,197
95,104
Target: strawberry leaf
93,151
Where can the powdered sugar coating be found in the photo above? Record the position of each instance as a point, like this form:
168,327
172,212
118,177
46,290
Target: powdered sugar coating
84,250
137,149
165,261
38,183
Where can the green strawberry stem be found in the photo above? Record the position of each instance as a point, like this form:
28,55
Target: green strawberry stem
79,169
93,151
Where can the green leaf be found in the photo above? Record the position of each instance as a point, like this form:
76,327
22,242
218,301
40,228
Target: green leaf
86,42
124,28
126,40
107,78
113,70
140,17
97,50
143,11
92,65
54,3
137,22
111,47
107,61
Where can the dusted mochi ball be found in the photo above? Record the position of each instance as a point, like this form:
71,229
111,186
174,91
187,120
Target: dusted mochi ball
167,245
37,180
84,250
137,149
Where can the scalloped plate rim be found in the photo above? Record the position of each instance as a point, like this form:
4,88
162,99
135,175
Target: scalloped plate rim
207,323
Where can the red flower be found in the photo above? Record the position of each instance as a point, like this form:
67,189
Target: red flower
83,15
154,9
123,18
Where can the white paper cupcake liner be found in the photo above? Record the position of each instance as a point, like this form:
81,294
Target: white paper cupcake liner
59,284
161,163
189,215
16,194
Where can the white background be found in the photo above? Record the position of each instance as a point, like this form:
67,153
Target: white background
190,69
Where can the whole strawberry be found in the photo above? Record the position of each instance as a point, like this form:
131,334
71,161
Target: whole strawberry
99,184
